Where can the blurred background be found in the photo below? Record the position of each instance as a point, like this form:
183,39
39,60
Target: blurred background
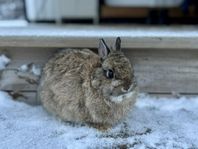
157,12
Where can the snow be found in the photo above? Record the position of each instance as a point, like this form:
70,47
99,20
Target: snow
4,61
153,123
32,68
36,70
24,68
120,98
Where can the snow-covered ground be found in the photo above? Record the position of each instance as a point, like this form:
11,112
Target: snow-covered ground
153,123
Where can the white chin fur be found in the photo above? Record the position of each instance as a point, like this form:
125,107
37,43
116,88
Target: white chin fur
120,98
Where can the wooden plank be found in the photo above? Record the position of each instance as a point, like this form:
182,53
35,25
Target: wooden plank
123,12
166,71
88,36
157,71
25,97
177,12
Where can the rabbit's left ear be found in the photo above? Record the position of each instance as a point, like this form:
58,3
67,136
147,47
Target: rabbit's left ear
103,49
118,44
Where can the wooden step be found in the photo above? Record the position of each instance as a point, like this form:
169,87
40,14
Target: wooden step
185,37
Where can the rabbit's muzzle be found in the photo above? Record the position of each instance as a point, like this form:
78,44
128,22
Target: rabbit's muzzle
129,95
121,92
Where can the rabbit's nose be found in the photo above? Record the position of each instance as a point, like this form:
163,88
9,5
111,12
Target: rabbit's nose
126,88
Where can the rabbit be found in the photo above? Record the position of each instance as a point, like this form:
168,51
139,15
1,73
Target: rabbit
81,86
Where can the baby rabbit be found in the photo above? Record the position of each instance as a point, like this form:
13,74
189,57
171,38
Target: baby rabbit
81,86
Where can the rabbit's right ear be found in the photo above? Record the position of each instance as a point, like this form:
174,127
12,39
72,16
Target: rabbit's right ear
103,49
118,44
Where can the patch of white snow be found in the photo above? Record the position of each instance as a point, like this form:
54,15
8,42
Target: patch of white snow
153,123
4,61
36,70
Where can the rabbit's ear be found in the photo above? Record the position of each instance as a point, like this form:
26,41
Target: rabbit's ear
103,49
118,44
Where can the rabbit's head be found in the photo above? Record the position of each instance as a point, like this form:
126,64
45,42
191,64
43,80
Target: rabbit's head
115,76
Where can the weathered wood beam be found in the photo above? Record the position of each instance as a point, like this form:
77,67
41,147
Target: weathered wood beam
87,36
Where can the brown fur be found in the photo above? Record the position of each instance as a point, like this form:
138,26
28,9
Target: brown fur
73,87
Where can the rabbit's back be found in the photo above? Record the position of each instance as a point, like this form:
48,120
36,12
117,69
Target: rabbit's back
61,88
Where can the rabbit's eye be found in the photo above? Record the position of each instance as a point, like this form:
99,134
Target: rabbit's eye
109,73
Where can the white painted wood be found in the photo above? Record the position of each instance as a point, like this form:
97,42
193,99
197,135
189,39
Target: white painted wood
88,36
58,9
78,8
42,9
